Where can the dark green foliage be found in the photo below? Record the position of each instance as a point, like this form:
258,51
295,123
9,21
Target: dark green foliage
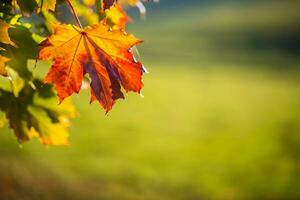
26,49
30,106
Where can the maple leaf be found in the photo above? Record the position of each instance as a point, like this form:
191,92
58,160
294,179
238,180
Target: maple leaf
104,55
116,17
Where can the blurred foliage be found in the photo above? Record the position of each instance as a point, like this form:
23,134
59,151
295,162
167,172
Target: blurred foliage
29,105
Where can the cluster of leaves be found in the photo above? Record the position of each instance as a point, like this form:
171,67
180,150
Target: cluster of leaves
100,53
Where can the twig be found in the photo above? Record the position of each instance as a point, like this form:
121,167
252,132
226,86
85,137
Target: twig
74,13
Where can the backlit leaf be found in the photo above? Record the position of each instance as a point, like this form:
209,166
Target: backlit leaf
26,49
34,114
4,36
17,83
89,2
102,54
46,5
3,61
116,17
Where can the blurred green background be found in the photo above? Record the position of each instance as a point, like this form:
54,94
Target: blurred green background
220,119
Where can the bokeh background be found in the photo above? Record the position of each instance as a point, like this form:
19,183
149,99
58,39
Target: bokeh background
220,119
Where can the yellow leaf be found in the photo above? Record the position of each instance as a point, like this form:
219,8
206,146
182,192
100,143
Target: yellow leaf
116,16
4,36
2,120
49,133
3,60
46,5
89,2
17,82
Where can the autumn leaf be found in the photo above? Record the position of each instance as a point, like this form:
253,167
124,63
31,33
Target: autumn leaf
4,36
102,54
3,61
46,5
5,39
116,17
89,2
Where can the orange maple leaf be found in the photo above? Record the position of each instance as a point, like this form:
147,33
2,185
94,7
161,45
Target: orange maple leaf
103,54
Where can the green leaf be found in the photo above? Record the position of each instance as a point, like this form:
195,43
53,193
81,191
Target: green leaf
26,49
35,113
27,6
5,84
17,83
2,120
45,5
50,133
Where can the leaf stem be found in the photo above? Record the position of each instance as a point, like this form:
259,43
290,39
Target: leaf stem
74,13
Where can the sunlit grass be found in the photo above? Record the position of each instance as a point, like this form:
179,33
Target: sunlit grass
198,132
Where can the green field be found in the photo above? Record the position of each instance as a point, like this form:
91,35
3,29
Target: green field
218,134
219,120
